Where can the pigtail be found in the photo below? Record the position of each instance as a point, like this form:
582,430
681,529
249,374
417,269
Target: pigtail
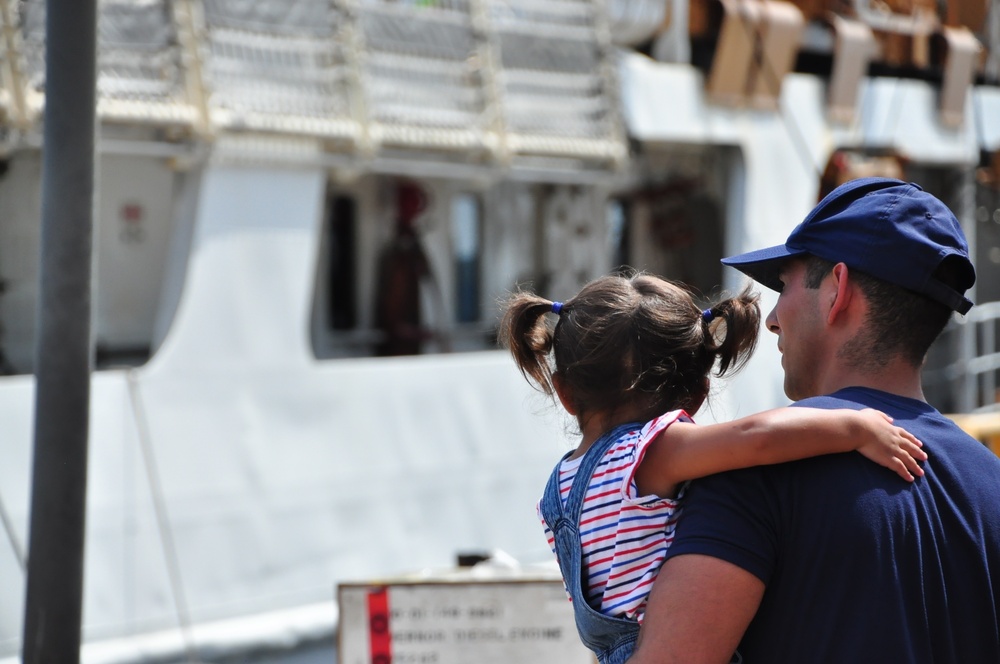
737,319
524,331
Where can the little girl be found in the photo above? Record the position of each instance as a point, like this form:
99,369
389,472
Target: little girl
625,351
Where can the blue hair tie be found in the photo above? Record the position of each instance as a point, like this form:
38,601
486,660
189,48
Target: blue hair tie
557,308
707,315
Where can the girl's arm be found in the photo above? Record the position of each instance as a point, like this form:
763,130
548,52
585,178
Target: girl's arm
686,451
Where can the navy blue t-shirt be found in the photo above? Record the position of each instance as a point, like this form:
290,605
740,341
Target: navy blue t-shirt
858,564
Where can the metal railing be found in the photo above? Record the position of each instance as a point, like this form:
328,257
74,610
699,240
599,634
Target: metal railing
466,77
972,375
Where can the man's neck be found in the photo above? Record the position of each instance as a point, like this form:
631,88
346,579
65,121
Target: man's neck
898,378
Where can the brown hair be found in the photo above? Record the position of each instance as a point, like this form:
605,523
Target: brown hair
900,322
637,340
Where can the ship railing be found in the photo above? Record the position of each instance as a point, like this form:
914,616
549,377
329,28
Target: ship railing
463,79
973,375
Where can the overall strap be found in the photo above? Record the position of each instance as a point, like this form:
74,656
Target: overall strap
611,638
551,504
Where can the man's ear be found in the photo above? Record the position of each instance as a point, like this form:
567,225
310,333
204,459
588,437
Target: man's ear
839,294
564,394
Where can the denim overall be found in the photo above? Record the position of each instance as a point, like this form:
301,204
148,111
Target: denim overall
612,639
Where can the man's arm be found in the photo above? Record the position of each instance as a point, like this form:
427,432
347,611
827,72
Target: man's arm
697,613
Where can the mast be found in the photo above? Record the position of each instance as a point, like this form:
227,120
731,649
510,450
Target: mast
53,607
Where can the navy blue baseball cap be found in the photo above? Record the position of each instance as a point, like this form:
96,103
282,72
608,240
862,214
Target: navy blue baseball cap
889,229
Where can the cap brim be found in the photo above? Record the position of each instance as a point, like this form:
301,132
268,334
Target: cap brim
763,265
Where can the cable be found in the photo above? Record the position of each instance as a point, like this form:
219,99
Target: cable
12,537
162,519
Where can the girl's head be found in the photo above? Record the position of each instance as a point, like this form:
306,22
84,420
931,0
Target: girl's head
636,342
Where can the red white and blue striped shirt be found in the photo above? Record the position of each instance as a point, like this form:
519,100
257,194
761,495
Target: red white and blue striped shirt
625,536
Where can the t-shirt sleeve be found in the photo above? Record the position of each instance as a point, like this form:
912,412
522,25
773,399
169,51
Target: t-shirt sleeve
648,434
732,516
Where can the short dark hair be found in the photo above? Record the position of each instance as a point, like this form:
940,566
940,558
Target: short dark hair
900,321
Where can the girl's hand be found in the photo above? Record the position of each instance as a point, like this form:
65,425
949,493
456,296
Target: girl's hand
890,446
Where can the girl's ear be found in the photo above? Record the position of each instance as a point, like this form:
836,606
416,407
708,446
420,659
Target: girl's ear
564,394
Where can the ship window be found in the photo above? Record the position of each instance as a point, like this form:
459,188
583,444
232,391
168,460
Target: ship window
401,270
675,229
617,224
467,244
342,272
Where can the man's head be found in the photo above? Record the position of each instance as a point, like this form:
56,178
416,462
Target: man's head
897,246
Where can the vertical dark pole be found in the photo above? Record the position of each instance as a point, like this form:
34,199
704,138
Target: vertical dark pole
54,603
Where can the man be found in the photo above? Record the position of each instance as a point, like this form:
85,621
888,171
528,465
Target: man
833,559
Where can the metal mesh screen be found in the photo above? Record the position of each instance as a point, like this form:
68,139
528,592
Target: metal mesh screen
278,66
421,76
140,73
555,78
474,77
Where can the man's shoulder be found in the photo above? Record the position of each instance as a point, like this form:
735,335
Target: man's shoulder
857,398
832,401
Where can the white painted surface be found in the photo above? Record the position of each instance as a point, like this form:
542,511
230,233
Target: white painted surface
281,475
